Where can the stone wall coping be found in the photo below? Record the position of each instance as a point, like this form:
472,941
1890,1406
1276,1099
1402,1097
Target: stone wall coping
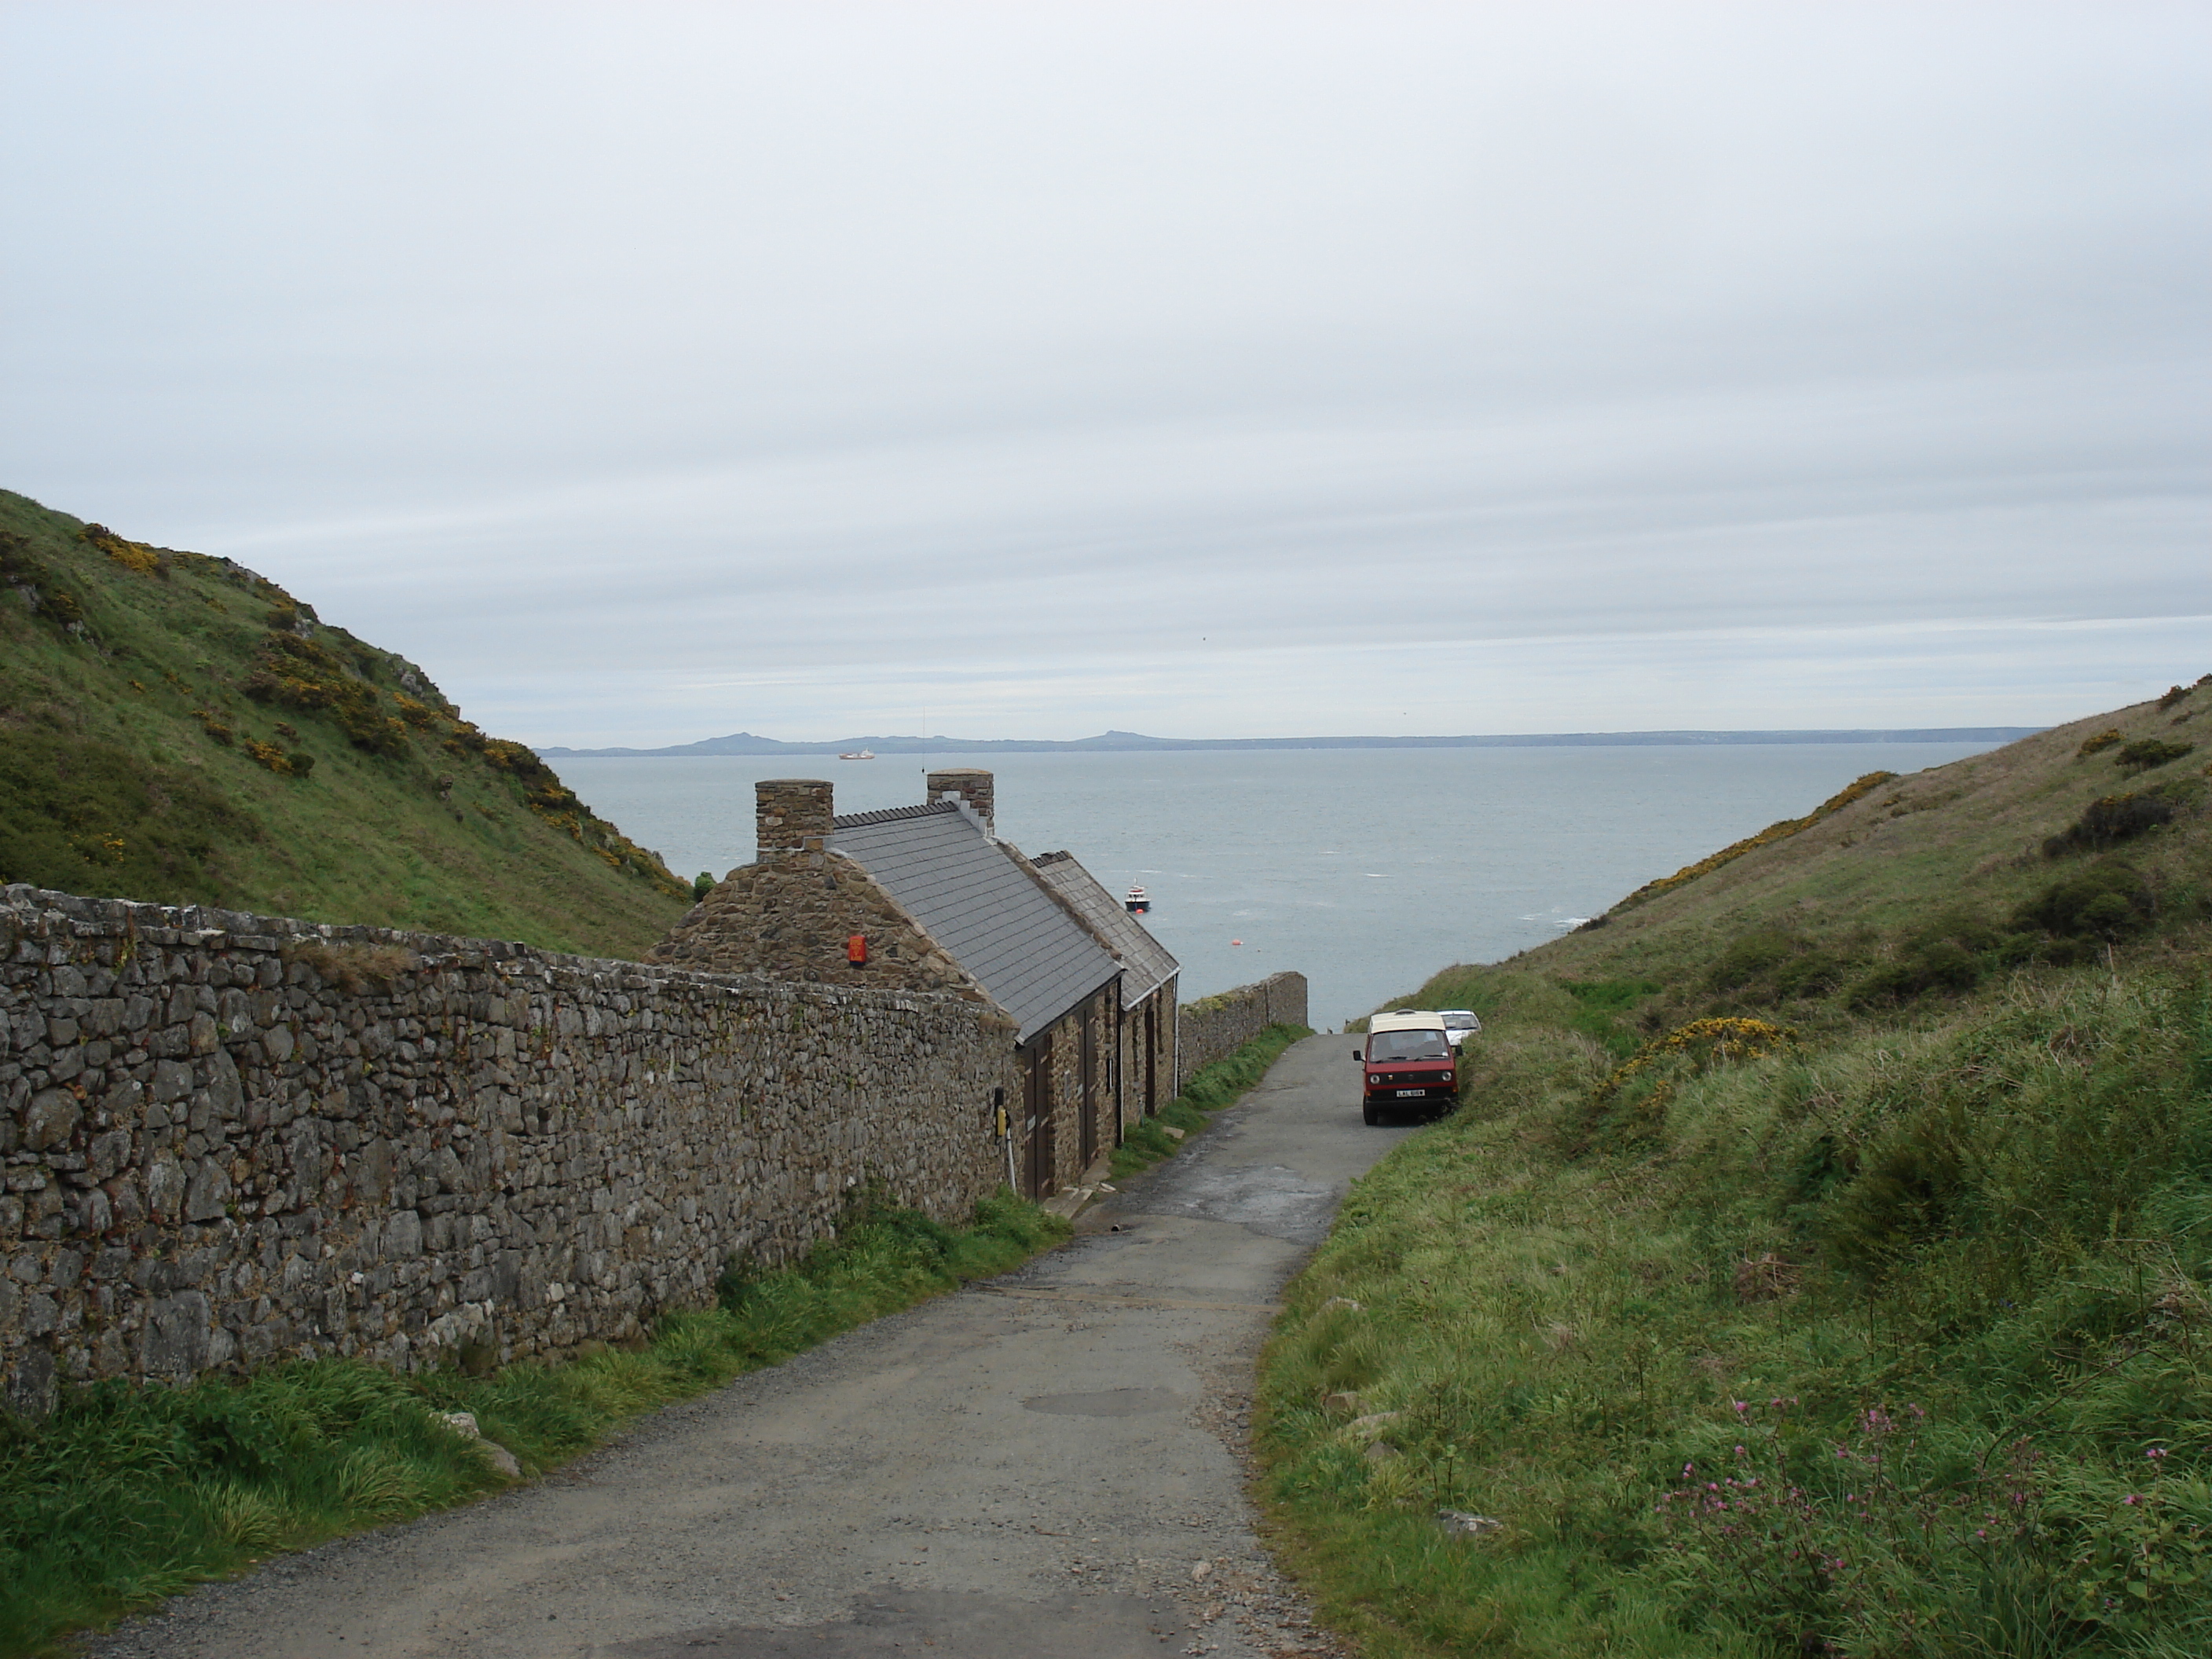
23,907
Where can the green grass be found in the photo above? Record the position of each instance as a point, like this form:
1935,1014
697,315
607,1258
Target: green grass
1821,1261
177,729
125,1495
1211,1087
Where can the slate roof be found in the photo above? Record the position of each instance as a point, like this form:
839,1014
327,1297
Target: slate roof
993,917
1146,964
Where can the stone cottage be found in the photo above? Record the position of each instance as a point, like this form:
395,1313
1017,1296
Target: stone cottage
1145,1044
927,897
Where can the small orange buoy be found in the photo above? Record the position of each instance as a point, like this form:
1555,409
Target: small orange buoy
1235,941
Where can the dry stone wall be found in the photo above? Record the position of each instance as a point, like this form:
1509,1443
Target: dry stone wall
227,1139
1215,1027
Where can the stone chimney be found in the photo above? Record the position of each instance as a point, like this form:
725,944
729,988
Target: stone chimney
967,784
792,815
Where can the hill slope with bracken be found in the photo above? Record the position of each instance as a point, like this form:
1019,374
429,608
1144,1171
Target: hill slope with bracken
176,728
1820,1258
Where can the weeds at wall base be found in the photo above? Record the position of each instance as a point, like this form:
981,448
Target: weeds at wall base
126,1495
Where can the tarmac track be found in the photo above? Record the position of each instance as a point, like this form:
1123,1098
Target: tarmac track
1049,1465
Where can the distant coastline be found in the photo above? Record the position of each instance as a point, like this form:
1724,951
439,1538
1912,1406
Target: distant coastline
745,742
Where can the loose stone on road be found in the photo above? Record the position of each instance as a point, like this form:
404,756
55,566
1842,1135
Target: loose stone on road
1050,1464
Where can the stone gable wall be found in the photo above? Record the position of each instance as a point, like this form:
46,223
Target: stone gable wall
227,1139
791,918
1215,1027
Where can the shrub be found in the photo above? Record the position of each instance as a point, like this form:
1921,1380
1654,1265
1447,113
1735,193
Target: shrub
1628,1109
2174,694
131,555
16,563
1808,976
1925,965
702,884
304,674
2106,900
2114,818
269,755
2144,753
1751,956
2101,742
419,715
1907,1188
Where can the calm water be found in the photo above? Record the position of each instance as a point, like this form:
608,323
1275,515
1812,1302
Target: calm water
1367,869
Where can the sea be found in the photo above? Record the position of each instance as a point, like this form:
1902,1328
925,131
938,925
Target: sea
1367,870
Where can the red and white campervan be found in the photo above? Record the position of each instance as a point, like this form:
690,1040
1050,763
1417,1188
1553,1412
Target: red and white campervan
1408,1063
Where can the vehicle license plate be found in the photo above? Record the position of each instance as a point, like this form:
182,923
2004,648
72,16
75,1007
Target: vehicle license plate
1403,1093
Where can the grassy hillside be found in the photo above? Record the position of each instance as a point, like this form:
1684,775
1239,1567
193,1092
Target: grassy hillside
1821,1261
174,727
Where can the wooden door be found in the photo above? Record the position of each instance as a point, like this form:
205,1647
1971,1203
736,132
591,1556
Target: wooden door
1037,1117
1153,1055
1087,1136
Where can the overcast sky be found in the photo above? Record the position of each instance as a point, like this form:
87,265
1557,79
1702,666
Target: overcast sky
649,372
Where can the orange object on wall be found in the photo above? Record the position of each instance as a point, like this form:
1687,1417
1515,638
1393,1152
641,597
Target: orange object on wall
856,948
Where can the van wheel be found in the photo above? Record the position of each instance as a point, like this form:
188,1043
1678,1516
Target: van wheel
1369,1113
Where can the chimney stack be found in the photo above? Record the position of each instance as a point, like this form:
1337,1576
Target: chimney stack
967,784
791,815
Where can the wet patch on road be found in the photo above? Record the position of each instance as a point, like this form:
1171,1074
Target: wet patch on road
953,1624
1110,1402
1269,1199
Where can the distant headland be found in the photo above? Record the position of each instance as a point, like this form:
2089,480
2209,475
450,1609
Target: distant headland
745,743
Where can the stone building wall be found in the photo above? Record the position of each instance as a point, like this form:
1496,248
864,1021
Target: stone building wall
1131,1039
1063,1041
1215,1027
792,912
227,1139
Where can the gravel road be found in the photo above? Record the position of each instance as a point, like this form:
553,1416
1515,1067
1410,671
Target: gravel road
1047,1465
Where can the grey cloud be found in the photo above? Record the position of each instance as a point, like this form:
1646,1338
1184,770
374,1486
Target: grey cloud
823,370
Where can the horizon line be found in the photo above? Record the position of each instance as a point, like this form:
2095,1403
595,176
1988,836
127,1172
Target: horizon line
747,743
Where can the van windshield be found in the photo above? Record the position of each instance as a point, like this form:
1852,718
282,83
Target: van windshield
1408,1045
